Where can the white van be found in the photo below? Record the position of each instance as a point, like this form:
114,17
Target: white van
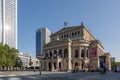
118,69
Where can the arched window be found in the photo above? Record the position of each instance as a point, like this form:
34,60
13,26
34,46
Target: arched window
50,54
55,65
46,55
55,54
78,32
76,53
75,33
67,35
76,65
50,66
72,33
60,66
65,53
62,36
60,53
82,52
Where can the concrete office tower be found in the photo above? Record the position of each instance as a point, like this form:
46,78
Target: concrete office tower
8,22
42,37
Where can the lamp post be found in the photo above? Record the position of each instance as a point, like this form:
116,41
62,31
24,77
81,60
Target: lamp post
40,64
83,64
67,63
40,67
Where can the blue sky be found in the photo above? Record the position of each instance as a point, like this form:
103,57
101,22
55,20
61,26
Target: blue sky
101,17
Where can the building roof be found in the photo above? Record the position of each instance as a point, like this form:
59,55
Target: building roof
97,42
67,29
106,54
71,28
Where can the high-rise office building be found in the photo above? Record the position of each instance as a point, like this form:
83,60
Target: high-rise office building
8,22
42,37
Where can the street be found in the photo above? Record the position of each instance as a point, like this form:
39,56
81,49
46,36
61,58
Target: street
62,76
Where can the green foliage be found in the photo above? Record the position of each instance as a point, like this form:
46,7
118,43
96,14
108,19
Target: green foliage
8,55
118,63
114,65
18,63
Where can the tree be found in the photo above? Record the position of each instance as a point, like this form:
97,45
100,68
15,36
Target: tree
8,55
114,65
18,63
2,55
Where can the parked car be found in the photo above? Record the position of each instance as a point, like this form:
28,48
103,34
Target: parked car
117,69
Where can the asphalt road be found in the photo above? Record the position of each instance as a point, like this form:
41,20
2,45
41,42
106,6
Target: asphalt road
64,76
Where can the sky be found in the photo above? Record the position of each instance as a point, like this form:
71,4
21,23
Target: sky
101,18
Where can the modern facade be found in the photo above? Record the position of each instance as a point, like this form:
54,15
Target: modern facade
25,58
8,22
73,48
42,37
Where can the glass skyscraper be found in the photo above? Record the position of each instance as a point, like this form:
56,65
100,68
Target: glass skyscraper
42,37
8,22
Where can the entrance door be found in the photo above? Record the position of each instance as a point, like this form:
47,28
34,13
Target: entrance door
55,66
50,66
76,65
60,66
82,65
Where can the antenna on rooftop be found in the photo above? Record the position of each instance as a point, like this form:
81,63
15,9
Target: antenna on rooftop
65,24
82,24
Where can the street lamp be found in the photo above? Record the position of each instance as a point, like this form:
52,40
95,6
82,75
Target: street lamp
67,63
40,64
82,64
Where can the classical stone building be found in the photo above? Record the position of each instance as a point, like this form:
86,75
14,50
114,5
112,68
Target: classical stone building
108,60
72,48
35,63
25,58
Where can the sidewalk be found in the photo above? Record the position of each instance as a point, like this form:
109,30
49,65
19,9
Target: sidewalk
15,73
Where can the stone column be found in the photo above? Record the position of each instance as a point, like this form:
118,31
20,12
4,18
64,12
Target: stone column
73,51
79,52
47,67
80,67
57,65
52,66
57,53
85,52
52,54
98,61
62,53
69,56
